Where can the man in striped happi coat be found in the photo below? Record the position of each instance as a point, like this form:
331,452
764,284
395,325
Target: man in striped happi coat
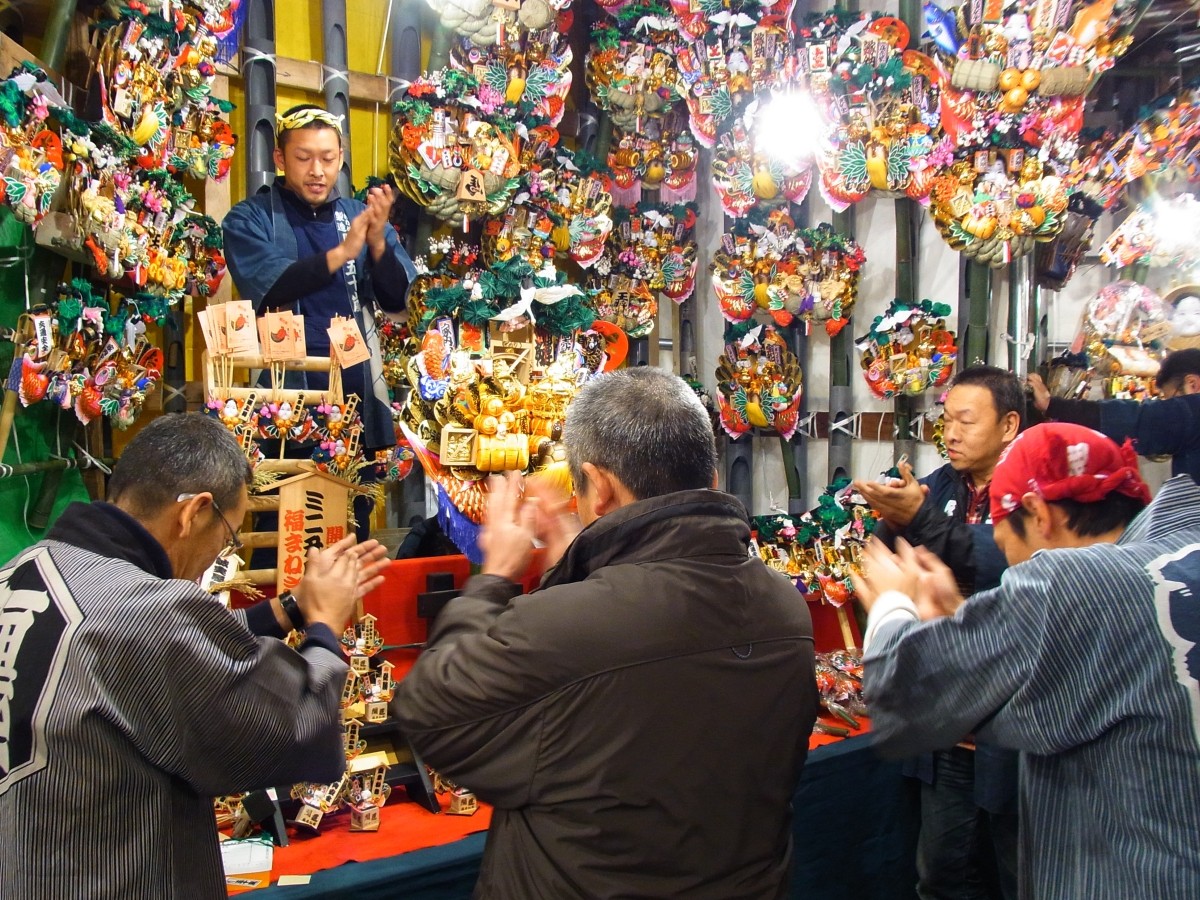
1084,659
129,697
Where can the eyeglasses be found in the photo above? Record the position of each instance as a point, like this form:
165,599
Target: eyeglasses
234,544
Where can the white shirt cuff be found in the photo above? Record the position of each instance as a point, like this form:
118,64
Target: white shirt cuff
890,606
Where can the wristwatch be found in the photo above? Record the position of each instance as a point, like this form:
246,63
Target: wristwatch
288,601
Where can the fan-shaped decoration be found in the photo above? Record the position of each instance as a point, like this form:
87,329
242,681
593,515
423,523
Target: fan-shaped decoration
736,48
447,158
819,549
1013,99
485,23
745,177
882,99
654,251
908,349
522,81
759,382
997,207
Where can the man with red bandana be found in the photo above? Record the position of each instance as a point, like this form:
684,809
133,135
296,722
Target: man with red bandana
1084,659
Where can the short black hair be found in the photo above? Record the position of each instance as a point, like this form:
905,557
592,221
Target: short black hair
282,133
1004,386
1177,366
179,453
1088,519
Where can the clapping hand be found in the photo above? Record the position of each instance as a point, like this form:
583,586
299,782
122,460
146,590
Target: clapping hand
897,501
912,571
379,208
337,577
506,538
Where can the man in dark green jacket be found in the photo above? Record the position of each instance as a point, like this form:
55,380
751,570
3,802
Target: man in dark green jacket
640,721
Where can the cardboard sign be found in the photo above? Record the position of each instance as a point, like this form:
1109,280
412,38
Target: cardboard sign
240,331
298,336
280,341
212,325
347,343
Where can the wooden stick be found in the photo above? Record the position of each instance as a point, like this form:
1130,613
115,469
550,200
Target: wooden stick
8,412
844,623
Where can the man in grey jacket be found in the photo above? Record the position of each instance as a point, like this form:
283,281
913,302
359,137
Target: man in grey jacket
640,721
129,697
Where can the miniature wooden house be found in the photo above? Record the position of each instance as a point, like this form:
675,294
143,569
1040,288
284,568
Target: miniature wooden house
462,803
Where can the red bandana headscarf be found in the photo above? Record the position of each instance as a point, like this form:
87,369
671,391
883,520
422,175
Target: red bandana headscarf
1064,462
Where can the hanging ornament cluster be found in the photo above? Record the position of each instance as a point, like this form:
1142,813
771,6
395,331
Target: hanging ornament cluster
127,210
908,349
153,73
141,225
333,429
562,207
633,75
1164,138
87,357
734,49
526,76
485,23
463,135
810,274
881,99
652,250
487,397
31,158
1011,110
1161,232
747,177
446,159
1124,331
820,548
759,382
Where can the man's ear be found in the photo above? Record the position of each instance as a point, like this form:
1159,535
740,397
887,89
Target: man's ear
1012,424
1041,513
187,514
604,488
277,156
1191,384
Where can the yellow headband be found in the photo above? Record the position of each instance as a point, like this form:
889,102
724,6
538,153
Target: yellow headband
302,117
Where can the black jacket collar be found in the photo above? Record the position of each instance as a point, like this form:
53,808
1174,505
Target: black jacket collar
693,523
109,531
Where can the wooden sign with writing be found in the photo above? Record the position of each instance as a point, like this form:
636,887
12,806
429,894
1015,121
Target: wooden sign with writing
313,512
470,186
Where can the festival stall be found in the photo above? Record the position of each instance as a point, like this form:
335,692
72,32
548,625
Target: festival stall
814,216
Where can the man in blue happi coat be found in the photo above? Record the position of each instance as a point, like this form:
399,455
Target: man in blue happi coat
297,245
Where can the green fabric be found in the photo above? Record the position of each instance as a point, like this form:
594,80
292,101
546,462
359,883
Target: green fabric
35,429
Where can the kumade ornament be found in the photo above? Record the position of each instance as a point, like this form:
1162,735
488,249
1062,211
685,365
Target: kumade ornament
759,383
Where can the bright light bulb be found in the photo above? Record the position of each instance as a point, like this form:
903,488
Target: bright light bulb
789,129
